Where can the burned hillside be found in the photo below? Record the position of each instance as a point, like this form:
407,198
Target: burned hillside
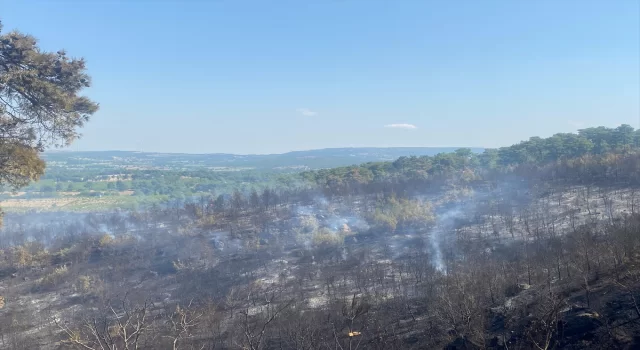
515,257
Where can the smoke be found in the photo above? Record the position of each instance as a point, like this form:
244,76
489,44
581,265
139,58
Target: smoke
330,215
42,227
445,222
337,222
325,222
319,222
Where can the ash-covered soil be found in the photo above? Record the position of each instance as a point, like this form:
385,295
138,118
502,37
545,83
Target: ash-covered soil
171,264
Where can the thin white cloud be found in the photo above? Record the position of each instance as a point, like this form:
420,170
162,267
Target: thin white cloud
401,126
306,112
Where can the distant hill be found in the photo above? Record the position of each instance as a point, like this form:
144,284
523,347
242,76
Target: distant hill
312,159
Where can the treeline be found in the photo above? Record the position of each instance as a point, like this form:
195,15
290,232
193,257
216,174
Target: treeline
588,146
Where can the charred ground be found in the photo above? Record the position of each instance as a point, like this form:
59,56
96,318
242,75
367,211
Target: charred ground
454,255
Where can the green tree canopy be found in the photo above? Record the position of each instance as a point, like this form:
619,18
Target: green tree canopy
40,105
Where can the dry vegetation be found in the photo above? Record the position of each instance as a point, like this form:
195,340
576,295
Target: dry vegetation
67,201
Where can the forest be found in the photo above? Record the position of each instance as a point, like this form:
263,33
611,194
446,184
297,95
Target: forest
529,246
163,182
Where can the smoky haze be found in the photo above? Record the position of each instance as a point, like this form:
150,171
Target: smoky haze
408,250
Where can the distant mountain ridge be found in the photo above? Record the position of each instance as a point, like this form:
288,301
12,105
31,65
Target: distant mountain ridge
311,159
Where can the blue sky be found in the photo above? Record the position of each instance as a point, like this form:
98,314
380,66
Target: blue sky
275,76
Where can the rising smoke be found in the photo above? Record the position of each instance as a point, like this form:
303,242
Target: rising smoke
445,223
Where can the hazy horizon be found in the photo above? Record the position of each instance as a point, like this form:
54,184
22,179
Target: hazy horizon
70,150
